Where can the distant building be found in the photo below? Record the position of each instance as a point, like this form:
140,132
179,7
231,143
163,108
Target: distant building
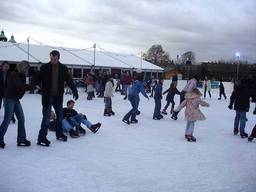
80,62
2,36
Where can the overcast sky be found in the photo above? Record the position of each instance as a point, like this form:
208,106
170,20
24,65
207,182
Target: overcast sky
213,29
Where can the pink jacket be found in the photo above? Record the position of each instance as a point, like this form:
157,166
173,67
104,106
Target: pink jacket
192,102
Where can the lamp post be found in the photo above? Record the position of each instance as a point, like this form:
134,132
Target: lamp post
28,47
237,67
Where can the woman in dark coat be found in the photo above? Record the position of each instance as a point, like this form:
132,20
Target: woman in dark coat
16,88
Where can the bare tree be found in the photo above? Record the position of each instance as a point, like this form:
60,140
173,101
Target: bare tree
188,58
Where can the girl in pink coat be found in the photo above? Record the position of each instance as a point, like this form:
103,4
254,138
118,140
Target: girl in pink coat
192,112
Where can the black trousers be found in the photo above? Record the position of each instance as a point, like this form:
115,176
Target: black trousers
168,103
223,93
253,134
205,90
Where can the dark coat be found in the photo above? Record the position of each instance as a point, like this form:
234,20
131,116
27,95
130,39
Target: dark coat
171,93
175,78
241,98
67,113
45,82
221,86
158,91
16,86
2,84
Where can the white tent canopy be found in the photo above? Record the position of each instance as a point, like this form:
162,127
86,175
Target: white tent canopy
15,52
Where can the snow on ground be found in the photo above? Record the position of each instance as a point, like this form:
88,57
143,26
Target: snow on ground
151,156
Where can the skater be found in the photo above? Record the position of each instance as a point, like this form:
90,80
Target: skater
53,76
134,90
253,90
207,87
153,86
74,119
90,86
4,75
16,88
127,83
175,79
192,83
67,88
241,99
170,97
108,93
192,112
222,90
253,134
122,77
118,87
157,97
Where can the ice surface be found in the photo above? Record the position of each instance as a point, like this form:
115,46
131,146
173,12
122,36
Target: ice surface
151,156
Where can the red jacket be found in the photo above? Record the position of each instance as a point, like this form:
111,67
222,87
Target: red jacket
128,80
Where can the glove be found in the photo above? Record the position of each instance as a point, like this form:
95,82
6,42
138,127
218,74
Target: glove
75,95
230,106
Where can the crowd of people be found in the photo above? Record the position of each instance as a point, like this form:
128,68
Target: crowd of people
54,76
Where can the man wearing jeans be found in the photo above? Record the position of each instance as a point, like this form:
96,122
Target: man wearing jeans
53,76
241,99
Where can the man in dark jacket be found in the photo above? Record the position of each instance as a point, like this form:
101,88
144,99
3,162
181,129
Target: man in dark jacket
16,88
241,99
4,75
53,76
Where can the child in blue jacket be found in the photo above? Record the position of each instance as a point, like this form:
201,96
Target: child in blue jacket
157,97
134,90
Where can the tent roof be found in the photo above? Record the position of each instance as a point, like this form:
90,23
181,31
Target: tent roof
16,52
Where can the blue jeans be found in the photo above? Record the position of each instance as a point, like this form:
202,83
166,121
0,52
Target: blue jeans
190,128
45,124
240,118
157,108
126,86
71,122
13,106
134,102
108,103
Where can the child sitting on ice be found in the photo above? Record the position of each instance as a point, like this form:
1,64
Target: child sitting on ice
71,119
192,112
